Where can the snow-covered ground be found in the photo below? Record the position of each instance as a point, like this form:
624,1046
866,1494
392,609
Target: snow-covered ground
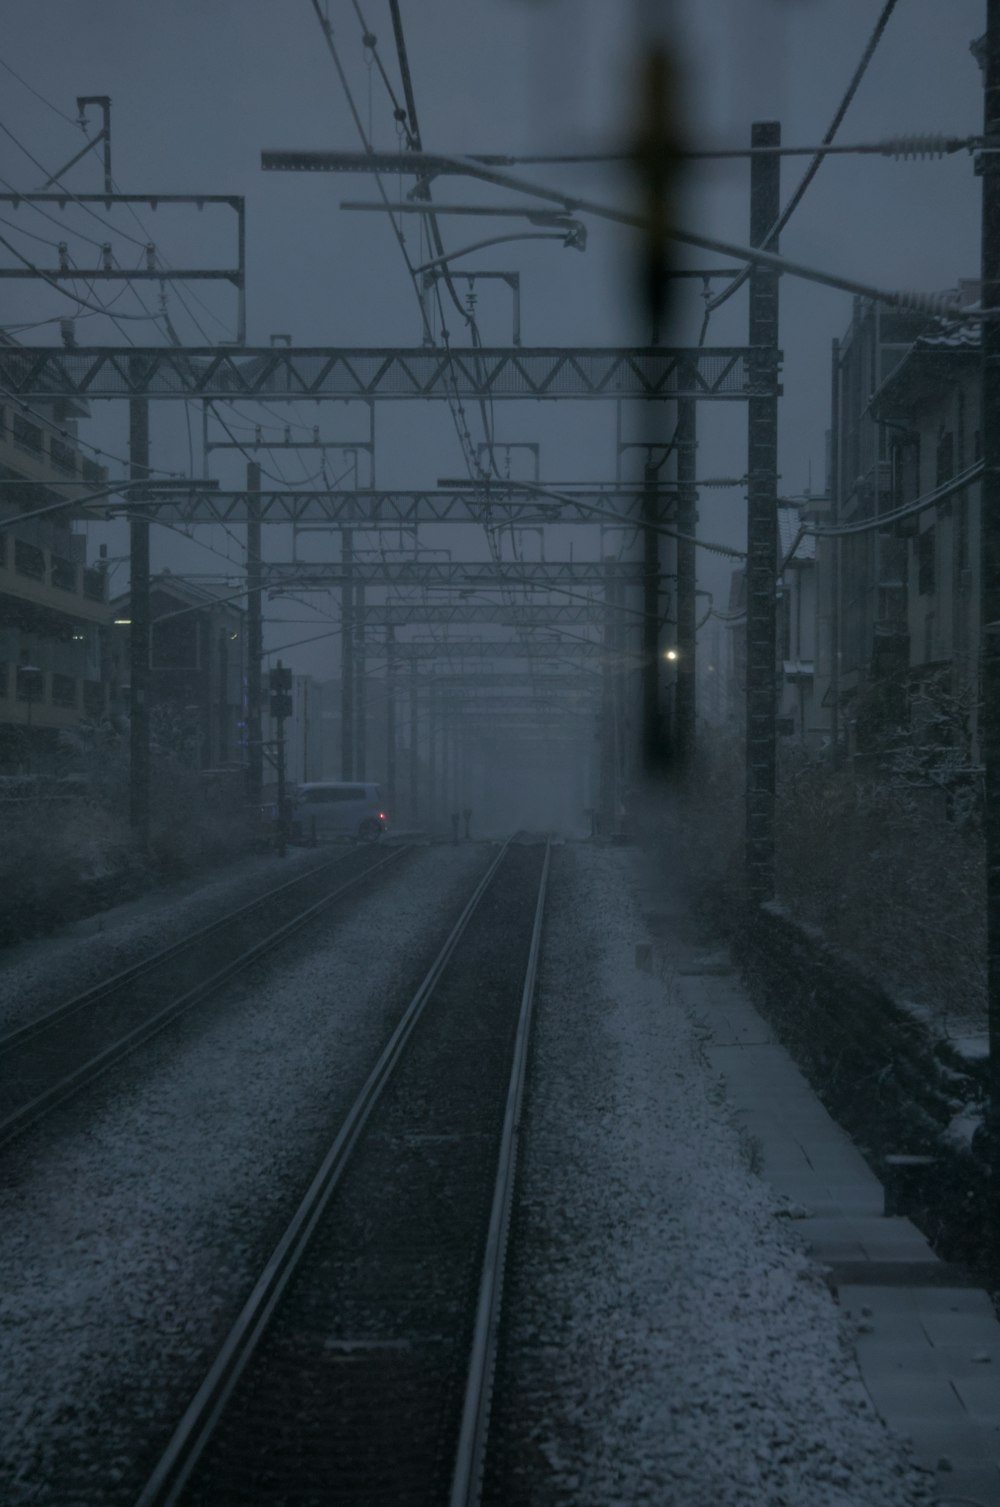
42,971
127,1248
669,1342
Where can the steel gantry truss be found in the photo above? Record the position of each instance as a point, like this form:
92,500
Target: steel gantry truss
399,507
482,574
431,649
526,615
390,372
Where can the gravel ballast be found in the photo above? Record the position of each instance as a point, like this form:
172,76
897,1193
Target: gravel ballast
127,1248
667,1341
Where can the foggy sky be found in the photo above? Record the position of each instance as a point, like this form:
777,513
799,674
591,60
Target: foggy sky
198,89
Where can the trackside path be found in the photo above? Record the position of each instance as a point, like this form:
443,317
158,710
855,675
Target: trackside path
666,1340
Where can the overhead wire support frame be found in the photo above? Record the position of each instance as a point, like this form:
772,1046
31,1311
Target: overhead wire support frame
235,275
426,166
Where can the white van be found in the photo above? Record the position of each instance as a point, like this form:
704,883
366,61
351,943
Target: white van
339,808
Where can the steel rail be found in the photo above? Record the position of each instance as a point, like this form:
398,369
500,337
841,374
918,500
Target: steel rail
88,1072
168,1480
473,1433
108,986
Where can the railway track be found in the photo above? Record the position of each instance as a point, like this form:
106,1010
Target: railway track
360,1367
49,1059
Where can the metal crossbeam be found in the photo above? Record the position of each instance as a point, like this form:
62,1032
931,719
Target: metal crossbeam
397,373
367,508
403,614
476,680
431,649
488,574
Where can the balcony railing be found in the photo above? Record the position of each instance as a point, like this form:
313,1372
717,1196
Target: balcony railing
27,435
94,582
63,574
63,690
63,457
29,560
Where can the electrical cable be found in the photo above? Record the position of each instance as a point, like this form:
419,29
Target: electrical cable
53,283
31,90
726,293
68,191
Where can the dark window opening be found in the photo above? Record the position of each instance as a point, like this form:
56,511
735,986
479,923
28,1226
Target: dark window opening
29,560
925,562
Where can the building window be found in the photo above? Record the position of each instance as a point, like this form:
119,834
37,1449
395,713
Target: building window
925,563
93,698
29,560
91,471
63,574
26,434
3,682
93,585
945,465
62,456
63,690
30,684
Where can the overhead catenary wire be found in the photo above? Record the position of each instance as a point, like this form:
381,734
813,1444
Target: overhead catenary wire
726,293
32,90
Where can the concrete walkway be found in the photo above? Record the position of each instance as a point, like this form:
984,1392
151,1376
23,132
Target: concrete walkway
927,1341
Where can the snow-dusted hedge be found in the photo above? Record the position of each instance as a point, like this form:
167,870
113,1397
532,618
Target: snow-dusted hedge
67,855
890,877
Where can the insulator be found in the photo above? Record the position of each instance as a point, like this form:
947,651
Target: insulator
905,147
941,305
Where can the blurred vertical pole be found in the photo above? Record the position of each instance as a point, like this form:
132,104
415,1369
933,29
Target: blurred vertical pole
762,520
656,160
255,639
619,680
835,559
139,632
685,704
360,686
654,740
431,754
606,775
390,718
989,717
414,746
347,657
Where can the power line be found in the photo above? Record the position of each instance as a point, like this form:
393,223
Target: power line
720,298
32,90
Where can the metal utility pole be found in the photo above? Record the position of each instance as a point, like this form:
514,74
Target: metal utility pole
360,688
607,792
835,560
687,522
762,519
139,633
347,658
654,746
431,759
414,749
390,719
255,639
989,718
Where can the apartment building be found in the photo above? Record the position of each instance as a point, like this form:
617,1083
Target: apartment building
862,604
198,690
931,405
54,614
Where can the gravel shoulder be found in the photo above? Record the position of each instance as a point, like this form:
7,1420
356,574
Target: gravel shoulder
127,1248
37,974
667,1340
